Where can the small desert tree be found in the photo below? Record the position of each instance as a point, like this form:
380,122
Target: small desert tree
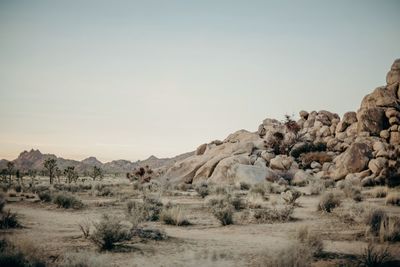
32,174
10,170
50,165
96,173
71,174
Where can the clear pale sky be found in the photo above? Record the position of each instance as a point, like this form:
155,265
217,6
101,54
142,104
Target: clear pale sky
128,79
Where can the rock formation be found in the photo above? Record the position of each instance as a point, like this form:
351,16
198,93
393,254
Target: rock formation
363,145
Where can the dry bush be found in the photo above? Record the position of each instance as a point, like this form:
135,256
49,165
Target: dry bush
174,216
244,186
320,157
85,226
373,220
260,188
67,201
328,202
352,214
393,198
290,196
390,230
148,210
350,191
220,190
8,219
222,209
310,240
85,259
45,196
304,148
19,256
255,201
108,232
375,256
294,255
379,192
202,189
317,187
150,233
272,215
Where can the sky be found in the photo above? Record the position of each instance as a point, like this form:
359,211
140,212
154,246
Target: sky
130,79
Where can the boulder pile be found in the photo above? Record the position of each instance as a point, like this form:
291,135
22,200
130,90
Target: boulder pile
363,146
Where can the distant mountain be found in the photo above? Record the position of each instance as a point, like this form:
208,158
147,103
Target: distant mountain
34,159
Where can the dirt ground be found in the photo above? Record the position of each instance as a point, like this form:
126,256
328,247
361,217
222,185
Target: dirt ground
204,243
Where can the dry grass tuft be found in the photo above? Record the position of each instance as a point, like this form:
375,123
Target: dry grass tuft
379,192
174,216
390,230
329,201
374,256
393,198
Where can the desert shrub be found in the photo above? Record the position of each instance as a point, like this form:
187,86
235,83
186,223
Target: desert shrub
328,202
393,199
174,216
105,192
317,187
375,256
85,226
150,233
220,190
354,213
259,188
153,207
8,220
202,189
307,148
350,191
18,188
255,201
40,188
108,232
45,196
11,255
272,215
244,186
237,202
294,255
373,220
390,230
67,201
310,240
379,192
222,209
84,259
290,196
320,157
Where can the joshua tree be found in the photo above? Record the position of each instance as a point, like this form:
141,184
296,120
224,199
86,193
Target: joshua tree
50,165
10,170
71,174
32,174
97,172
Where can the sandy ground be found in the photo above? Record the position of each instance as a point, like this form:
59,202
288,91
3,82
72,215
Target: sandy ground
205,243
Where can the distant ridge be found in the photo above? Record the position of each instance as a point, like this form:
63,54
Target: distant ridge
33,160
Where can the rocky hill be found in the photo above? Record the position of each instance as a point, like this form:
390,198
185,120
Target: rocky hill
34,159
363,146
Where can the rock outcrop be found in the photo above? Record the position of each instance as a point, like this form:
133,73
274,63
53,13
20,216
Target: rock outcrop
363,145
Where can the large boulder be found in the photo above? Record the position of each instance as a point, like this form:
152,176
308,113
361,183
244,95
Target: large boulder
354,159
377,165
380,97
281,162
393,75
372,120
348,119
253,174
